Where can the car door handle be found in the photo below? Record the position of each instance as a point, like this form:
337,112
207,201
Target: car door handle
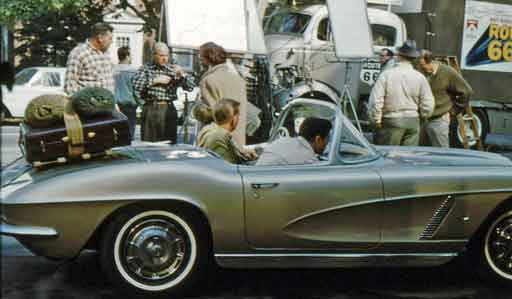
264,185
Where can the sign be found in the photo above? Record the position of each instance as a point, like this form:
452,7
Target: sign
233,24
370,71
487,37
355,43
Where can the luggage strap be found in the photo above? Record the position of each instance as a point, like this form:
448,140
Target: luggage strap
74,130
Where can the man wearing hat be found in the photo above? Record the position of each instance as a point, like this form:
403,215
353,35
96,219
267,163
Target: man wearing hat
399,98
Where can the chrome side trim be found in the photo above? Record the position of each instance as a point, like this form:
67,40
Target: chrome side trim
438,218
28,231
332,260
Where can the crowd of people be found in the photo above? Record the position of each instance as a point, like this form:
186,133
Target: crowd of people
413,107
407,106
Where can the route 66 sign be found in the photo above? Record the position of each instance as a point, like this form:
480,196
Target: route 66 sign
370,72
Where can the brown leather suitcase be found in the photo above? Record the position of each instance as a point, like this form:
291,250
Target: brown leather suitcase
42,146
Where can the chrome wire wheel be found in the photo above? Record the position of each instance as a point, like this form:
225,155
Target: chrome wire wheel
498,246
155,250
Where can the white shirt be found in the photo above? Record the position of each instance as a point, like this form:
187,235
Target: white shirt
288,151
401,92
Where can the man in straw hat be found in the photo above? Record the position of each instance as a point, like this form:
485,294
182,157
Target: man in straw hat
399,98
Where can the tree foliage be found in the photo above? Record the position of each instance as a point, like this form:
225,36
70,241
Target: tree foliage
12,11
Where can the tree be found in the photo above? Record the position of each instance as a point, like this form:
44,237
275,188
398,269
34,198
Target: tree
13,11
48,38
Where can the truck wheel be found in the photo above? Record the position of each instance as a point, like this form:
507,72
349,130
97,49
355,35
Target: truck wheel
482,127
154,252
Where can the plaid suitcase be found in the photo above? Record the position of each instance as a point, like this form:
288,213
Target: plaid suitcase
42,146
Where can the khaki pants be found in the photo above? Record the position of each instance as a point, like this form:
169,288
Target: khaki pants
436,132
398,131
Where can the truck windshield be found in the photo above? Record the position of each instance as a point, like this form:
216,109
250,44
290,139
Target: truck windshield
383,35
287,22
24,76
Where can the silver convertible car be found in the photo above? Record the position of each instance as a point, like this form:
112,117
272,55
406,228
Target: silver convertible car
159,215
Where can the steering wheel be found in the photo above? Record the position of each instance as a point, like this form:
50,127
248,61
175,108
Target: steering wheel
283,132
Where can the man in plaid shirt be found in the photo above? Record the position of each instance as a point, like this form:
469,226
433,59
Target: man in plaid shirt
156,83
88,64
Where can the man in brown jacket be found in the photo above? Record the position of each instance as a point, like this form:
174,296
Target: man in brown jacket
220,81
446,84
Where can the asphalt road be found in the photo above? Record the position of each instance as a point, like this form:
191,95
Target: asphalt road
28,276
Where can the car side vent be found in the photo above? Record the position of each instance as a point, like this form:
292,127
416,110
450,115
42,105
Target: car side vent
437,219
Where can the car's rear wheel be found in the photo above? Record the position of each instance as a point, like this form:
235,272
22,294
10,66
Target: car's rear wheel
495,249
154,252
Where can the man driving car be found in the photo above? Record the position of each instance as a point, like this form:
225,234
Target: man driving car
303,149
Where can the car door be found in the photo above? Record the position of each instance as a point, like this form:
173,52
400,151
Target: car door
327,205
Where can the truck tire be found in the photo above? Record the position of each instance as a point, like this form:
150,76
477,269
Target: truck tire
482,126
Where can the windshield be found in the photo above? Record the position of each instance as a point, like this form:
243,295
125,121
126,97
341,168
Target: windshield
383,35
287,22
24,76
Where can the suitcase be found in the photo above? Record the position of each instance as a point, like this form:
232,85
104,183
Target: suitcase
42,146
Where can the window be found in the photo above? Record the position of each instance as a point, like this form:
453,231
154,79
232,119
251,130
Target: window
122,41
324,30
51,79
287,22
296,114
353,147
383,35
24,76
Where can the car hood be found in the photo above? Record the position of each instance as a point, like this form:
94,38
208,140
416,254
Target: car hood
442,157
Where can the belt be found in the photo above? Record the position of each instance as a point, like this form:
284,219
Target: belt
157,103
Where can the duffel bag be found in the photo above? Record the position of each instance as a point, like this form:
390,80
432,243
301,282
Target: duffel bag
45,111
90,102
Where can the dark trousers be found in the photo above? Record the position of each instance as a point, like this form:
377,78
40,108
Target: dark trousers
159,122
131,113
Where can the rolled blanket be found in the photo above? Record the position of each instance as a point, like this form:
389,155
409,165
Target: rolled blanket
45,111
91,102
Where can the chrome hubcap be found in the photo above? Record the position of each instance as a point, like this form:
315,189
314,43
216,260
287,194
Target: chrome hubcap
154,249
469,132
499,246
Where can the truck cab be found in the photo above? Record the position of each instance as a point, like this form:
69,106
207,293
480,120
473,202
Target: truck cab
301,39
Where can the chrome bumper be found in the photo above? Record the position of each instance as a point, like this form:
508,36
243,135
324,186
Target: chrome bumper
27,231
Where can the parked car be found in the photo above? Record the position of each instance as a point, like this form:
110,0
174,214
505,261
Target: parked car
160,214
35,81
29,84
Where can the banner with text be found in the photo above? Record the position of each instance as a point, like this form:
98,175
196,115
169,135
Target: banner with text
487,37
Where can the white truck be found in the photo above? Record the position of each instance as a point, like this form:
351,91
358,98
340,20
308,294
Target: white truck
300,45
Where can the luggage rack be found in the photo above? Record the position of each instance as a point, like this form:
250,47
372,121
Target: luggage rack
467,116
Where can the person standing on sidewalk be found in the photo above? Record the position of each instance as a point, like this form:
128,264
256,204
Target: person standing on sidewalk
156,84
88,63
124,93
447,84
399,98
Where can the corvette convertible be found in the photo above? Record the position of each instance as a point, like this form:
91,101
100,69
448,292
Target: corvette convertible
159,215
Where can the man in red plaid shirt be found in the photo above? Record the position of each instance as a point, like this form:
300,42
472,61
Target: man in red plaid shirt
88,64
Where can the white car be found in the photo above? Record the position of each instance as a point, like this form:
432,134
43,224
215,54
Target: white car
29,84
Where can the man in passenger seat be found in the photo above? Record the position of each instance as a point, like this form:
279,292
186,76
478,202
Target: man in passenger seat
303,149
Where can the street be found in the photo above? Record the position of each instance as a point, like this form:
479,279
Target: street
37,277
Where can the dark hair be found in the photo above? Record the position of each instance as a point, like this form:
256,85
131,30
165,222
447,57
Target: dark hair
224,110
123,52
427,56
213,53
100,29
389,52
312,127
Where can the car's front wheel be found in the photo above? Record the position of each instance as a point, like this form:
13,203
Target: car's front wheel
496,249
154,252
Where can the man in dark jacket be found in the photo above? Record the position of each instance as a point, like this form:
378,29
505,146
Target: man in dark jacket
446,84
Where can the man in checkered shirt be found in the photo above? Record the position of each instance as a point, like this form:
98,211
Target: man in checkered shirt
156,83
88,64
